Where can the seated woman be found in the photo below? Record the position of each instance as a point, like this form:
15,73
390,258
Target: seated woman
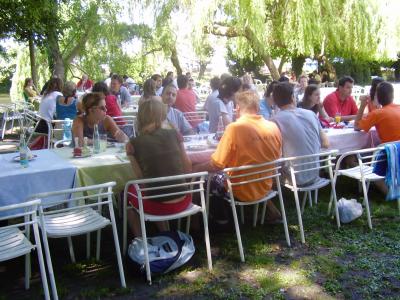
371,98
156,152
47,107
94,107
149,90
66,104
221,108
267,106
30,91
312,101
113,108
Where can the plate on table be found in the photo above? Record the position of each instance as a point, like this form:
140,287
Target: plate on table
31,157
212,141
82,156
187,139
199,147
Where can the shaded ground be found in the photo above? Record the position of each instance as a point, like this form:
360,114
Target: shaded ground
350,263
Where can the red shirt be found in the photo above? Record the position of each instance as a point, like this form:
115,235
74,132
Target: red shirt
333,105
88,84
185,100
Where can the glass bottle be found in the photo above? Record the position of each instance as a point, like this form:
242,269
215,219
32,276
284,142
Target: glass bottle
23,152
96,139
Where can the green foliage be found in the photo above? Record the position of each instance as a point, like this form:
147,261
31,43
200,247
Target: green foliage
359,70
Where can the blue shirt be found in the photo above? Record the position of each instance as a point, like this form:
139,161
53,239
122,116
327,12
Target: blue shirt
265,109
66,111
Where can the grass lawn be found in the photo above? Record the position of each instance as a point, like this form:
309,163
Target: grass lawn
350,263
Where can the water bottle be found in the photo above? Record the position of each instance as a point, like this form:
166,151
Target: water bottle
67,129
96,140
23,152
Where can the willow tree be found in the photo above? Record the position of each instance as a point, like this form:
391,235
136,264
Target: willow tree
276,28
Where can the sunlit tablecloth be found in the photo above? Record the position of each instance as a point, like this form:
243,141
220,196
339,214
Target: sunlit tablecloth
110,165
130,111
47,172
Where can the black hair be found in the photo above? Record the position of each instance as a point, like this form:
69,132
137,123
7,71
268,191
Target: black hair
283,94
156,76
385,92
182,81
229,87
100,87
374,85
283,78
344,79
215,82
270,89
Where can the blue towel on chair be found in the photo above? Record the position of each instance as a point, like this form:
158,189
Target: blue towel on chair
393,171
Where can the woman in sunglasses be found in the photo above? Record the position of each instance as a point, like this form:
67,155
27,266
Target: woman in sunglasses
94,107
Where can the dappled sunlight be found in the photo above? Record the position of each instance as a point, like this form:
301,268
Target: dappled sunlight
191,276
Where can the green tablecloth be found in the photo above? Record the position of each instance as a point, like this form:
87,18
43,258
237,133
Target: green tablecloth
100,168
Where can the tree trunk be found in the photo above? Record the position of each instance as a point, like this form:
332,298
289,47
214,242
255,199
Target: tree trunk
33,61
203,67
254,42
56,62
281,63
297,65
175,61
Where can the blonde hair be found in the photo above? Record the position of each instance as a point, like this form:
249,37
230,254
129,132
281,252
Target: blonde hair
152,111
90,100
248,100
69,89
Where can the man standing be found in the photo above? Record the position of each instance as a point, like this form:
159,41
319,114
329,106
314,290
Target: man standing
385,119
301,131
120,91
341,102
249,140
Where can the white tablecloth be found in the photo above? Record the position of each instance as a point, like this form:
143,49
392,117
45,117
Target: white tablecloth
345,139
48,172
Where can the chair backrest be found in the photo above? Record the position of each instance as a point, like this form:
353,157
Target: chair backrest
196,116
161,187
306,167
25,214
126,124
94,196
31,122
244,175
365,157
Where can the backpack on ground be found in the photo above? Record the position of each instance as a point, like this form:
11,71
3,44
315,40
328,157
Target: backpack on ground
167,251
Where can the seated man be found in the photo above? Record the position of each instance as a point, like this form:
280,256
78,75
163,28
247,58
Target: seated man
385,119
249,140
301,131
84,84
120,91
341,102
175,116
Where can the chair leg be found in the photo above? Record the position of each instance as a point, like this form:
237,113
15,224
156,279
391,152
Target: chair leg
27,270
88,245
255,215
178,224
207,240
242,214
316,197
187,224
117,248
71,249
309,198
42,266
208,196
264,209
146,251
237,229
283,213
296,199
303,202
98,240
366,203
49,265
330,204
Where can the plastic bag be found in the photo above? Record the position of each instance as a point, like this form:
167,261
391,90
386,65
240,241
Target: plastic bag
349,210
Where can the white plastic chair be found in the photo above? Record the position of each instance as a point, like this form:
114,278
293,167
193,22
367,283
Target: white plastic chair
78,214
15,241
244,175
31,122
196,116
10,114
129,125
311,163
362,173
193,182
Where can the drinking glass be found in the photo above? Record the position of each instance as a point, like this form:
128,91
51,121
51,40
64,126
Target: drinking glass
103,142
338,118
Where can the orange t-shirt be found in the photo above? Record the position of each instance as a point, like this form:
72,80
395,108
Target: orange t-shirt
249,140
386,120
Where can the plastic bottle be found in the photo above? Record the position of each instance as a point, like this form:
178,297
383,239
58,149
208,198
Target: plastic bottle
67,129
96,139
23,152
